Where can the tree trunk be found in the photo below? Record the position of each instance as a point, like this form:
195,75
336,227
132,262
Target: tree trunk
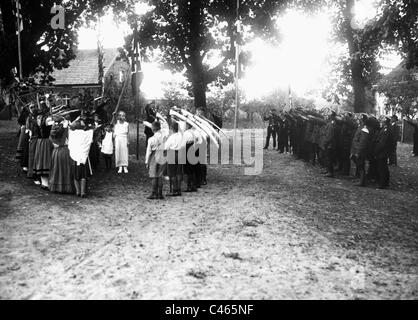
356,65
359,87
199,93
198,78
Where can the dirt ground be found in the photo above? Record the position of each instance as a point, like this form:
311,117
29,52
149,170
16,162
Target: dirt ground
289,233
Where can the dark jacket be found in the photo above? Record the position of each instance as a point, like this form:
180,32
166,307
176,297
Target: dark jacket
395,131
361,143
151,117
383,143
273,121
330,140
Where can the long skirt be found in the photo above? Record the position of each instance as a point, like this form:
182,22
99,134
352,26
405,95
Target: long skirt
19,149
43,154
31,157
22,153
121,151
61,175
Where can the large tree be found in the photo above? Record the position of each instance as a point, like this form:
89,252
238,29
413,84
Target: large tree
43,48
397,25
359,66
190,33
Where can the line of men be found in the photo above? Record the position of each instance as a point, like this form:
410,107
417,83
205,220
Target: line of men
336,141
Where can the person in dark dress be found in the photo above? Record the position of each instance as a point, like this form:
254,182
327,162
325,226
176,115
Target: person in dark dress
22,152
44,148
61,176
94,154
33,131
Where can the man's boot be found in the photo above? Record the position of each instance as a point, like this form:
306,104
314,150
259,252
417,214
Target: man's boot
173,187
179,181
153,195
160,189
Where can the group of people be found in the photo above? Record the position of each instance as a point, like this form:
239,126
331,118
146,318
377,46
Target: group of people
60,155
336,142
170,142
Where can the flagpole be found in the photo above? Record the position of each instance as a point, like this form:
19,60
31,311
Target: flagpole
19,47
237,49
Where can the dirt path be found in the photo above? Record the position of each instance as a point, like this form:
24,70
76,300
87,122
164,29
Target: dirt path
286,234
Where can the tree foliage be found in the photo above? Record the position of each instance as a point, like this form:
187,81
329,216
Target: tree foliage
397,25
43,48
190,32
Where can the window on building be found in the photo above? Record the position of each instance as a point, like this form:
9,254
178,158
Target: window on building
121,76
65,99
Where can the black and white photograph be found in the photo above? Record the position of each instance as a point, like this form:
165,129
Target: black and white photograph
208,150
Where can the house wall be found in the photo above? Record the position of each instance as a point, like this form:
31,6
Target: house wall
115,69
96,90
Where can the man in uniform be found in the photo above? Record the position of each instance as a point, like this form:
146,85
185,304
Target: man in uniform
330,144
347,130
394,128
415,125
272,128
360,148
382,148
283,135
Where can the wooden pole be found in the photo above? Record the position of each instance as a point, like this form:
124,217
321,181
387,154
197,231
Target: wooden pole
120,99
19,46
136,69
237,49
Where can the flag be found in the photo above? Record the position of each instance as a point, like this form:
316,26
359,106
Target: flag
19,20
21,27
1,23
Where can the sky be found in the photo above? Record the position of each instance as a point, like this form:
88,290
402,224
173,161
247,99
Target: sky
299,61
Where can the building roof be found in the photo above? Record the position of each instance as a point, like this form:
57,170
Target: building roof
400,74
84,70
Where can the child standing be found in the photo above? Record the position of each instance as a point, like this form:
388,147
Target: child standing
121,132
153,160
107,146
189,139
80,137
174,169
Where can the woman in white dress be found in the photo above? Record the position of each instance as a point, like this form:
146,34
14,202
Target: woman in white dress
121,132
